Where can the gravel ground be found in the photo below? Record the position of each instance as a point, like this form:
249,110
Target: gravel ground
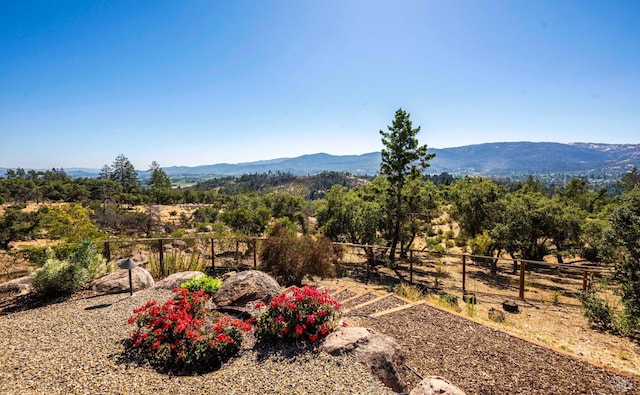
75,347
386,303
344,294
482,360
359,300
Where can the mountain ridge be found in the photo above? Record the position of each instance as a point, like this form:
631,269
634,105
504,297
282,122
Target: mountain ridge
487,159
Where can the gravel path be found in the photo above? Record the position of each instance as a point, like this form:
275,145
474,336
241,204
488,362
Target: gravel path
74,347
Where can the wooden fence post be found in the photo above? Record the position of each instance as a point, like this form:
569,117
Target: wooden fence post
107,251
161,257
411,267
464,274
367,279
255,253
213,256
585,281
522,267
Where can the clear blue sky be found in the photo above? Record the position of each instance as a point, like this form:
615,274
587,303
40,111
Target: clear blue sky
203,82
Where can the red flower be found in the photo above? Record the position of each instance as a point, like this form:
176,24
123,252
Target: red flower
259,305
313,337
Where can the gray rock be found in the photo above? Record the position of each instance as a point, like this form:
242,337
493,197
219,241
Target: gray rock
227,275
380,353
176,279
20,285
118,282
246,288
432,385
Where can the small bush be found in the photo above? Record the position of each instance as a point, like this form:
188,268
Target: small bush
64,276
177,336
208,284
39,255
470,309
290,258
437,250
407,291
449,299
597,310
449,234
554,297
304,314
461,241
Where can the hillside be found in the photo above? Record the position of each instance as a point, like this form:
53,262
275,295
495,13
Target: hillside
481,159
490,159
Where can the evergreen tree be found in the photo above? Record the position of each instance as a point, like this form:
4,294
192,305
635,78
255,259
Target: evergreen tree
123,172
402,159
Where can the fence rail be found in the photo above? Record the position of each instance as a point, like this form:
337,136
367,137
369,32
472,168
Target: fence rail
219,254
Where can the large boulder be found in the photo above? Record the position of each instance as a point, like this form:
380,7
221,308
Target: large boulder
380,353
118,282
240,293
20,285
434,385
176,279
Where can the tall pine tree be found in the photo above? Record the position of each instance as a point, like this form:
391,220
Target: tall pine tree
402,159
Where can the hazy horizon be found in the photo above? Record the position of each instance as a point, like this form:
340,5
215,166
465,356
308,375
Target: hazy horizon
304,154
194,83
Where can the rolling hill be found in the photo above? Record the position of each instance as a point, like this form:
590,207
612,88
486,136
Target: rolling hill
490,159
481,159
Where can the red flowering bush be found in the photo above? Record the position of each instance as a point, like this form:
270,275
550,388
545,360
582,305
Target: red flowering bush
300,314
183,335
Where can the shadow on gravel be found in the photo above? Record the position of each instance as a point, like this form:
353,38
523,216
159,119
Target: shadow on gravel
14,304
285,350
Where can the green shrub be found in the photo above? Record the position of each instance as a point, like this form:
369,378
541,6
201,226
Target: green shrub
38,255
437,250
59,277
208,284
449,299
461,241
64,276
597,310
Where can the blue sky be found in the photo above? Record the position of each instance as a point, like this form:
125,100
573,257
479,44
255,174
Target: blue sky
203,82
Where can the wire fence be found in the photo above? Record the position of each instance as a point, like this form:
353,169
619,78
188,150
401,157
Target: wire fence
434,272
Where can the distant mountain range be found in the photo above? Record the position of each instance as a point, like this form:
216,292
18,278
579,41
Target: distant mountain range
490,159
